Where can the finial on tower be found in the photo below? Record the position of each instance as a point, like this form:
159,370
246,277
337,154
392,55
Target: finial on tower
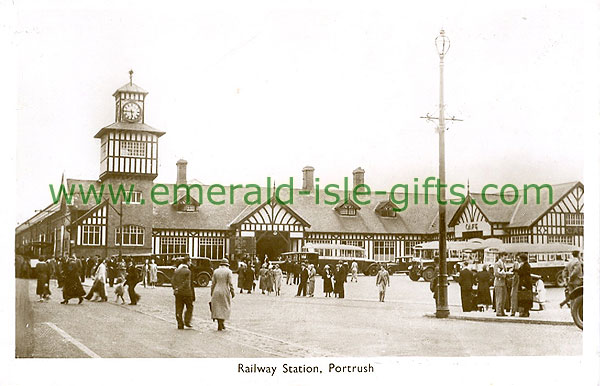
468,187
130,77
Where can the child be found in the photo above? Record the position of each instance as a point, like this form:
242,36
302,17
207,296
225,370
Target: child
119,290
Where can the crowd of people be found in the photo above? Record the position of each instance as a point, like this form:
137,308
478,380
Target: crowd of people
71,271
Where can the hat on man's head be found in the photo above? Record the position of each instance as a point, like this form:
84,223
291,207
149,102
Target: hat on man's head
224,262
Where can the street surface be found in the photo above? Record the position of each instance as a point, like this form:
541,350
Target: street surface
285,326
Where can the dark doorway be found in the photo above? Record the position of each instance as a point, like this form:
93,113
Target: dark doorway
272,244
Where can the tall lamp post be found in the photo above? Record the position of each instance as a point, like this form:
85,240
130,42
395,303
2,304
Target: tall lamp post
442,44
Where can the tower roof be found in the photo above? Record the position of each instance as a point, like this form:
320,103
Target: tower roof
130,87
141,127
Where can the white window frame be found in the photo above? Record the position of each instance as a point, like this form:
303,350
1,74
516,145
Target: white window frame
130,232
91,234
134,149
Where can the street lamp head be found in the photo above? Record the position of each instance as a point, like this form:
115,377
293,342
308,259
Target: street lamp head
442,43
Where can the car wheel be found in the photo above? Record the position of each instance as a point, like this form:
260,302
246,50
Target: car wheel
202,280
414,275
428,274
577,311
372,270
560,279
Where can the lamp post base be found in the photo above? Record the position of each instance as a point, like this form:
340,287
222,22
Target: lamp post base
442,313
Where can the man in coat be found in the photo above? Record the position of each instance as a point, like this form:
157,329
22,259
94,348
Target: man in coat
574,272
382,281
221,293
183,289
466,279
312,276
99,282
303,281
500,284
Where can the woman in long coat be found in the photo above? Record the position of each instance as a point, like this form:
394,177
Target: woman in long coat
525,286
270,280
221,292
241,279
249,277
277,279
484,282
327,284
262,278
42,271
72,287
339,278
153,273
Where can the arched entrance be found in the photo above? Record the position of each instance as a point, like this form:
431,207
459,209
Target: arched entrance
271,244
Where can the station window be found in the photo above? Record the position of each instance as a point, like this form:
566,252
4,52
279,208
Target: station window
173,244
90,234
132,235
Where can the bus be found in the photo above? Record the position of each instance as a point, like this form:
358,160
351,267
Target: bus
331,254
546,260
471,251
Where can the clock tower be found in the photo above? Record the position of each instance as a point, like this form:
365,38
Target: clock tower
129,164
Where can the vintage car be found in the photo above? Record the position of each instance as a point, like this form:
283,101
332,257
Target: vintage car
201,268
576,304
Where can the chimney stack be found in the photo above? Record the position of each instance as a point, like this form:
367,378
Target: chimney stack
181,172
358,177
308,178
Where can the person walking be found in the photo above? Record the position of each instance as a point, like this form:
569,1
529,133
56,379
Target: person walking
241,276
297,270
185,296
303,281
277,279
221,292
500,284
72,287
354,269
146,273
153,273
382,281
525,288
465,280
98,285
270,282
131,281
262,278
42,272
249,277
111,269
327,281
312,276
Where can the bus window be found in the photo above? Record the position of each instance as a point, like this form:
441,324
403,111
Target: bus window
542,257
552,257
532,258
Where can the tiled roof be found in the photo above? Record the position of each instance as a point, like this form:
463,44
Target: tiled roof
136,126
527,214
130,87
420,218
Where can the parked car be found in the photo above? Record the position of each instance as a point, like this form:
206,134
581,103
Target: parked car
201,268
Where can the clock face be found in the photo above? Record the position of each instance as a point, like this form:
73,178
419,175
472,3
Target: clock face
131,111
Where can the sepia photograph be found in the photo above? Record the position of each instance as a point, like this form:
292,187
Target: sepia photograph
303,190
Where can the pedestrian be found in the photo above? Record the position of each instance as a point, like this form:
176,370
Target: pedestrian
434,284
382,281
131,281
327,281
297,271
270,282
312,276
99,283
339,280
466,280
221,293
82,268
42,272
249,277
146,273
540,292
185,296
153,273
122,268
112,271
484,281
354,269
262,278
574,272
72,287
514,289
302,284
277,279
500,284
241,276
525,291
289,271
119,290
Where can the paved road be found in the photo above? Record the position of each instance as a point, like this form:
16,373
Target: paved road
286,326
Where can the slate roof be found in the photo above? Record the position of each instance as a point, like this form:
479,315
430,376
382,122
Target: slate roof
130,87
135,126
420,218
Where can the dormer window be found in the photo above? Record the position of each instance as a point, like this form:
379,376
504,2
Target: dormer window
386,209
348,208
189,208
134,198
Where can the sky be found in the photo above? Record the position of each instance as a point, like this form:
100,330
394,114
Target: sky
245,93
